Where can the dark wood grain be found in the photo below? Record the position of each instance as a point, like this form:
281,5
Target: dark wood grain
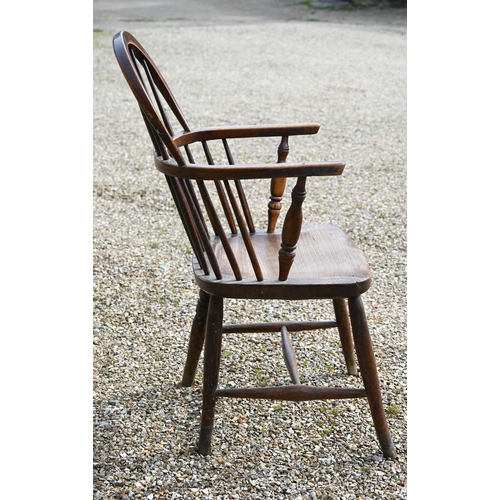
327,265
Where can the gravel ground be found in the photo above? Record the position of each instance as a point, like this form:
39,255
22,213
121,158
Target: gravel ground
351,78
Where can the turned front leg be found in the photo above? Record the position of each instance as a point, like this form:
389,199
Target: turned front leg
277,189
291,229
196,340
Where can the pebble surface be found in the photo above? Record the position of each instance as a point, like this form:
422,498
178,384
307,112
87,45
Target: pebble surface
350,78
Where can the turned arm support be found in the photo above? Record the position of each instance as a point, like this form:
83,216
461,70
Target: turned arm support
291,229
278,185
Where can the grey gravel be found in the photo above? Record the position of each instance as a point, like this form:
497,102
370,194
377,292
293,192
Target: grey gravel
348,75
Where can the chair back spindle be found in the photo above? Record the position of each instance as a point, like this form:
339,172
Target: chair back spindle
239,189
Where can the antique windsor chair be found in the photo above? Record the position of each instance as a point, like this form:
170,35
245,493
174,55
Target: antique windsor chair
241,262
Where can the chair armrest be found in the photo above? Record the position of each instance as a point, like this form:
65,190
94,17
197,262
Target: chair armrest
239,132
251,171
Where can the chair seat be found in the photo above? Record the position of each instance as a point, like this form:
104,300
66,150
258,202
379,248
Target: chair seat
328,264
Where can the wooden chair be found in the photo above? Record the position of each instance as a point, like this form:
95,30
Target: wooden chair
239,261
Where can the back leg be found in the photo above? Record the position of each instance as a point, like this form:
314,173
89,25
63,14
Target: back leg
196,340
342,317
366,358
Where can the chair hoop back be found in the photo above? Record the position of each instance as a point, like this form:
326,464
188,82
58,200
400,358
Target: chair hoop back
152,93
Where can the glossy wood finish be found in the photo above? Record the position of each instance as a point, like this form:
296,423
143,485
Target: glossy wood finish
234,259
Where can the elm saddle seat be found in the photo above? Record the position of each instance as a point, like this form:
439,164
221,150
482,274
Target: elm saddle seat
236,260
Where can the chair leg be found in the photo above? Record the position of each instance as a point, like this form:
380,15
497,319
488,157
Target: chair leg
213,344
368,368
342,318
196,340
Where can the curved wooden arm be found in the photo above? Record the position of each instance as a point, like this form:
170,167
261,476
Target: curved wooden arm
240,132
195,171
